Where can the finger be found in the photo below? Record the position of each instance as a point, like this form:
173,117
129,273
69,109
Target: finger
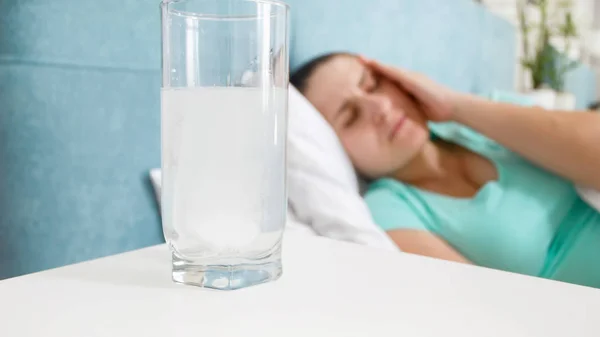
403,78
364,60
389,70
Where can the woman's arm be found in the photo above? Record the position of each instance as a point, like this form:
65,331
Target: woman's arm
566,143
426,244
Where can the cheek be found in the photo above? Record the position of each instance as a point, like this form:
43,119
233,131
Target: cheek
417,117
365,150
358,144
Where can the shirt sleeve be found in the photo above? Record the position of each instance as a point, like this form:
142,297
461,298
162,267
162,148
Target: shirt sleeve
390,211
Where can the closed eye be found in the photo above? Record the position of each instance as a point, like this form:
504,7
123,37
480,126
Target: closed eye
353,116
375,85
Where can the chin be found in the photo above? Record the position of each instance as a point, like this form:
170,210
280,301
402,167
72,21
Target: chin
417,138
414,144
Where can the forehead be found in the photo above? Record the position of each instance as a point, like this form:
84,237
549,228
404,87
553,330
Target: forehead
332,83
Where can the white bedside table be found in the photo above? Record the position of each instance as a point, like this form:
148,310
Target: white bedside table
328,288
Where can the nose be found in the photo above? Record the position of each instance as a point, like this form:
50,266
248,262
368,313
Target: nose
377,106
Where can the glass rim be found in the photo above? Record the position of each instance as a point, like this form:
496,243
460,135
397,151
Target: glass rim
275,3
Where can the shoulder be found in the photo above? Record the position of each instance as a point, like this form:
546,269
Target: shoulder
392,206
384,184
380,190
384,190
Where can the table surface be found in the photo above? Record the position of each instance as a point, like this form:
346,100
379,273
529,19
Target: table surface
328,288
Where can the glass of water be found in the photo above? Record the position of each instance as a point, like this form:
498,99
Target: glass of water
224,124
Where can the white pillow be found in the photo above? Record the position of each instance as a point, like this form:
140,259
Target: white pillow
155,178
323,189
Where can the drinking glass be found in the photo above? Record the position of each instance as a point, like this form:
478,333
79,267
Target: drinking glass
224,123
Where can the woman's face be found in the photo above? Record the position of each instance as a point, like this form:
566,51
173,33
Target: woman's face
379,125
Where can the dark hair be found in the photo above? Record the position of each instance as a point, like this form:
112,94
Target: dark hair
300,77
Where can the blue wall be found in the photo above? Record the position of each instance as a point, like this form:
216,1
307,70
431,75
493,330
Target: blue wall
457,42
582,82
79,129
79,105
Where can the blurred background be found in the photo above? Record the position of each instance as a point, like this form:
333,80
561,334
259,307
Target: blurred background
572,28
80,103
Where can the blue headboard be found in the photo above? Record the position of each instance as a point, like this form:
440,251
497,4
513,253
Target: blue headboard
80,128
80,118
457,42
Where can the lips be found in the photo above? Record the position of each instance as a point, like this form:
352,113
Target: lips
397,127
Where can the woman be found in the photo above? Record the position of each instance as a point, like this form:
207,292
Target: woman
511,207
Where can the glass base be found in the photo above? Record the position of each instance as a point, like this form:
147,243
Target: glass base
226,277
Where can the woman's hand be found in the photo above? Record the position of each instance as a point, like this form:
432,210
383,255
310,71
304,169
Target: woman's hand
565,143
437,102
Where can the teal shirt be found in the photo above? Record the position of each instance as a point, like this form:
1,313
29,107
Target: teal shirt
529,221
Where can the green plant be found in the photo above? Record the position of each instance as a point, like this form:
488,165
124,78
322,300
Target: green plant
546,65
